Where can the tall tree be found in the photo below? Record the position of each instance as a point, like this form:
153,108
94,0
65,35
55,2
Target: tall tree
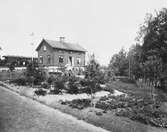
134,58
92,76
153,35
119,63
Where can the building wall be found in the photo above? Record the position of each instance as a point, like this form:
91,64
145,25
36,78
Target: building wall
44,54
66,55
55,53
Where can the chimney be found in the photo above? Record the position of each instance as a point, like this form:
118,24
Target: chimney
62,39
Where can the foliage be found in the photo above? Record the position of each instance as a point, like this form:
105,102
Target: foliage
114,102
147,58
45,85
135,66
92,75
51,79
119,63
140,109
11,66
149,114
58,84
20,81
34,74
40,92
73,87
153,36
78,103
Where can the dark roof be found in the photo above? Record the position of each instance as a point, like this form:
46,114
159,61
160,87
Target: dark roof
63,45
17,56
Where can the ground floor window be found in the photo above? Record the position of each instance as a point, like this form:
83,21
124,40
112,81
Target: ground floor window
49,59
41,59
61,59
78,61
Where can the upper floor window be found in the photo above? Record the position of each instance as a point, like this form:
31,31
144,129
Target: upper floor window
41,59
78,61
49,59
44,48
61,59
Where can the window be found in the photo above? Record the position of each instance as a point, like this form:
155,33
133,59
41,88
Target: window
41,59
78,61
44,48
61,59
49,59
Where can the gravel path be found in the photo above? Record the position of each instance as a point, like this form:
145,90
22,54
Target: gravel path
20,114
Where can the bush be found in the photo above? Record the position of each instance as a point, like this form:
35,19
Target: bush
34,75
78,103
146,115
39,77
88,86
45,85
127,80
51,79
73,86
58,84
19,81
40,92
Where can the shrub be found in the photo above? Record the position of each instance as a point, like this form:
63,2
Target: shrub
127,80
40,92
19,81
34,75
45,85
58,84
78,103
73,86
51,79
39,77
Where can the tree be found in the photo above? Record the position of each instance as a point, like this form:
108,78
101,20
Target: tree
119,63
92,74
11,67
134,58
153,35
34,74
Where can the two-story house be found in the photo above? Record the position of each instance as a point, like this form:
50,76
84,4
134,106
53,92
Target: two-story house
60,54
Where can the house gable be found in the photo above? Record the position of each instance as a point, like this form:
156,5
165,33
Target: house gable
43,42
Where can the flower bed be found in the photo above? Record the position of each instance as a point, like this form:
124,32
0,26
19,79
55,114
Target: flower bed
150,114
78,103
139,109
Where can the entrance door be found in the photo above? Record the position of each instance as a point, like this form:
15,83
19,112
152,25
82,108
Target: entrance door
71,60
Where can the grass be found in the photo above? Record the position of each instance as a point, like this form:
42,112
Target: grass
130,89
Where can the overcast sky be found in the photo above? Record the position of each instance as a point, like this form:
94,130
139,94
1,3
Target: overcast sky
100,26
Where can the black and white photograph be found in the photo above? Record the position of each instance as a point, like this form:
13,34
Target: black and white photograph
83,65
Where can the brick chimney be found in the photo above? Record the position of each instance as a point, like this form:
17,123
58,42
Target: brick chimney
61,39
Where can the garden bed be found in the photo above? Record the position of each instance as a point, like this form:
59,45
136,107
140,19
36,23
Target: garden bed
96,116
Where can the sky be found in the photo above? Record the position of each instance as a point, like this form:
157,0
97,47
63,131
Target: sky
102,27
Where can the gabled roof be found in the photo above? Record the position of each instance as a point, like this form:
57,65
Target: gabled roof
62,45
